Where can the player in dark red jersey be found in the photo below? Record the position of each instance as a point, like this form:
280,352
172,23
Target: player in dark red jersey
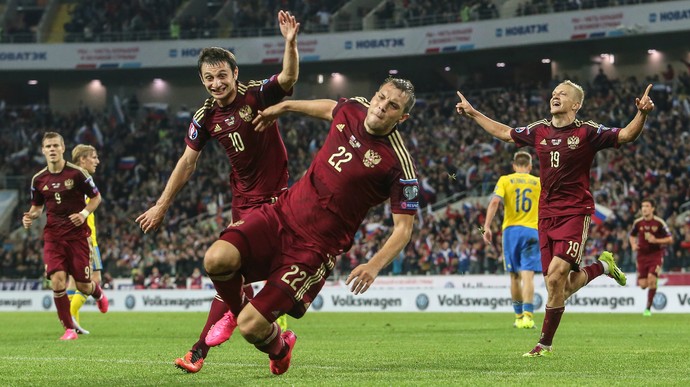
61,188
649,236
292,244
566,147
259,160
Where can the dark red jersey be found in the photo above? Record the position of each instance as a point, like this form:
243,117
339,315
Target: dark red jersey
642,228
62,194
353,172
258,159
565,159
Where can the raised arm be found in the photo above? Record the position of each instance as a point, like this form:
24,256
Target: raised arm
633,130
494,128
363,275
318,108
153,217
289,28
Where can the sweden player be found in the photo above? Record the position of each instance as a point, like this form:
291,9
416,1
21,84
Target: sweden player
519,193
85,156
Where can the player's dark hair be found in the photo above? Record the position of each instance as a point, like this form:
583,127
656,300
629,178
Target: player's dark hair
650,201
522,159
49,135
216,56
406,87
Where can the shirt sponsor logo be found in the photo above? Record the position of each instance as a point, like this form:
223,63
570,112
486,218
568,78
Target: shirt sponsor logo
246,113
556,141
371,159
56,185
573,142
192,132
354,142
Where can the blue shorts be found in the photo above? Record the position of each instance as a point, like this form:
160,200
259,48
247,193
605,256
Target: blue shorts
521,249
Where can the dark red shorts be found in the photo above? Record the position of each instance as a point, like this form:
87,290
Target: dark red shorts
295,270
649,265
71,256
563,237
242,206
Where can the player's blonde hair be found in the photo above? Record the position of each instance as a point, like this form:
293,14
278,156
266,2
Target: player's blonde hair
579,91
522,159
81,150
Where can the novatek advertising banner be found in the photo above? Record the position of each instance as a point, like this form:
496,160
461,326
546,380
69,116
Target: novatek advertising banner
671,299
630,20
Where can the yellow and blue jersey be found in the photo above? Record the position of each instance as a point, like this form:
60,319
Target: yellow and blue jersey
520,193
91,221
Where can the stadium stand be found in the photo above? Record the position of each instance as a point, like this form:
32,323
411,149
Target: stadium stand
452,163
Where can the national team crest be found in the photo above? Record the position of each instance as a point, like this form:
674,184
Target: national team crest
69,183
654,228
371,159
246,113
573,142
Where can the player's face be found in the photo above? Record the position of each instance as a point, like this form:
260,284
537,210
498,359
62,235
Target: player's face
53,149
564,99
386,110
90,162
219,81
647,209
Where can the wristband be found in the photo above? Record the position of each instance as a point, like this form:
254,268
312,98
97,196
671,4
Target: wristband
85,213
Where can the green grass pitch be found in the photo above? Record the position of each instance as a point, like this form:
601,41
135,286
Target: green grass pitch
352,349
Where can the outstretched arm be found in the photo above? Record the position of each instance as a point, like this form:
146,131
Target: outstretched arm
289,28
363,275
153,217
632,131
319,108
494,128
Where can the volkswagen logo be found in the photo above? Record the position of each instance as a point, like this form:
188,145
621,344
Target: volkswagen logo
130,302
47,302
659,301
317,304
422,301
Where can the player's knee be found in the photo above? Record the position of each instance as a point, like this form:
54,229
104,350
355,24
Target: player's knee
222,258
252,325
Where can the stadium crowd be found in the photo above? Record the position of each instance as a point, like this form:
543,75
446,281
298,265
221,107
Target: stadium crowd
107,21
456,161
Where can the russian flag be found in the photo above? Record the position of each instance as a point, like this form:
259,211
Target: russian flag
127,162
602,214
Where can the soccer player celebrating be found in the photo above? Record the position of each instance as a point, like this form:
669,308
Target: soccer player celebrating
293,244
259,160
649,236
61,187
566,147
85,156
519,193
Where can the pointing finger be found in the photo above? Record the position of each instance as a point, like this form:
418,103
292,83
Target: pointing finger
646,92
